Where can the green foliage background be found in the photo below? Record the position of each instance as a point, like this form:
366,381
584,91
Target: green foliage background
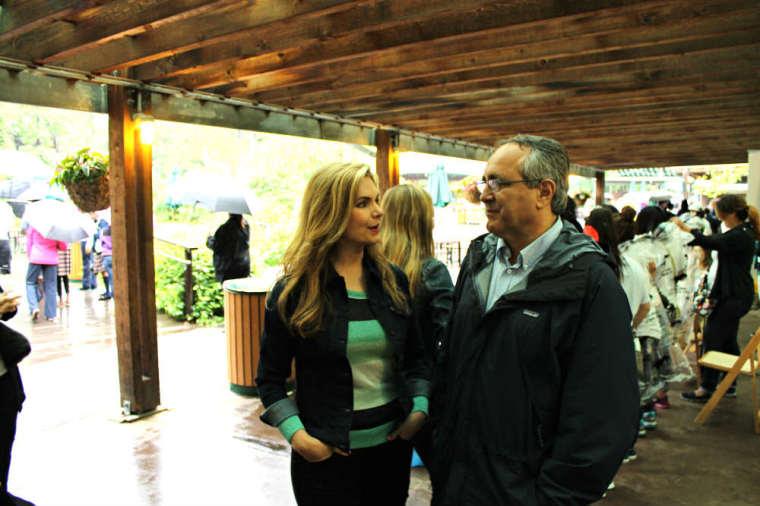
275,167
208,299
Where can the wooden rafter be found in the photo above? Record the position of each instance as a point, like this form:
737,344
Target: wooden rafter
620,71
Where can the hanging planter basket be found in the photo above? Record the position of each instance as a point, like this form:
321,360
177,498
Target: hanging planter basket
85,177
90,196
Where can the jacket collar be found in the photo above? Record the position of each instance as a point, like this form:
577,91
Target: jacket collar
558,260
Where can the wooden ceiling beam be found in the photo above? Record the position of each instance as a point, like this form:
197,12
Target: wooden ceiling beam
628,76
572,71
19,17
622,155
589,127
254,27
669,159
742,131
288,43
738,106
118,19
470,36
553,96
441,56
549,102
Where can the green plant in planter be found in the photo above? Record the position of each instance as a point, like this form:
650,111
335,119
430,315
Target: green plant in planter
83,166
85,177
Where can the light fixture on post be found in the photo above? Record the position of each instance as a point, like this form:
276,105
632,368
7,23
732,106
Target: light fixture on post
144,123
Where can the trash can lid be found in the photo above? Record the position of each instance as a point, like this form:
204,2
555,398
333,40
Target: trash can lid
247,285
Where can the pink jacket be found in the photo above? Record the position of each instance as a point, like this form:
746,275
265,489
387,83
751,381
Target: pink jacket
40,250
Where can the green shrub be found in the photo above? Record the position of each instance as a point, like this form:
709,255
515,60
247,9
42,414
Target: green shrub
208,299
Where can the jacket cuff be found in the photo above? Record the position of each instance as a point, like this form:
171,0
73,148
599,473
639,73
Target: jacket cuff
418,386
420,403
290,426
279,412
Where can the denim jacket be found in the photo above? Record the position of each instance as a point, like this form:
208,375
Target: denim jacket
324,384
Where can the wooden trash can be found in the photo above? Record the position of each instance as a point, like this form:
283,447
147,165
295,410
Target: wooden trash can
244,304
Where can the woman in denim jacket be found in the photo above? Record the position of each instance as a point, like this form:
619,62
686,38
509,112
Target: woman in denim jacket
343,312
407,239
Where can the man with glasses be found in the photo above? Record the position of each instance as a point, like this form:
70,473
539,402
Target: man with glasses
536,398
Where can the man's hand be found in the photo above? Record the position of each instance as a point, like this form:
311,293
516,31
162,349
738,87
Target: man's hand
9,301
311,448
410,427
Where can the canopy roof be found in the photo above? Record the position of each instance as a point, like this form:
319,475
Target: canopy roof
620,83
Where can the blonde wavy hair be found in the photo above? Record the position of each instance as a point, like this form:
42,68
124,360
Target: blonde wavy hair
325,212
407,230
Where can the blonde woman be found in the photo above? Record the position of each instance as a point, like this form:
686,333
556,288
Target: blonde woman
407,239
344,313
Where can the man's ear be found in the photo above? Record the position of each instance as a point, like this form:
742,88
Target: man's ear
546,190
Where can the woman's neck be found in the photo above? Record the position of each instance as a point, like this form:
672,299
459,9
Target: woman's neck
732,221
347,261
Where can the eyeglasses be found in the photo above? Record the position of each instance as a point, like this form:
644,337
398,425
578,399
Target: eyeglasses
495,184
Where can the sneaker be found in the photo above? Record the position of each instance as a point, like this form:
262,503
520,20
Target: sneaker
630,456
693,397
35,315
105,297
648,420
642,429
611,486
731,392
663,403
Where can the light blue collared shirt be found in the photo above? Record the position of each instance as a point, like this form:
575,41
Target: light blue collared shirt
506,277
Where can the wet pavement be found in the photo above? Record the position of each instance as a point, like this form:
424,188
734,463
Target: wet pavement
209,448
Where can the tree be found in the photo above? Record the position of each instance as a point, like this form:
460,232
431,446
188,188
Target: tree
716,177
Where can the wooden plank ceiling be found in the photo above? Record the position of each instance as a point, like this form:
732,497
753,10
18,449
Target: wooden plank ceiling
621,83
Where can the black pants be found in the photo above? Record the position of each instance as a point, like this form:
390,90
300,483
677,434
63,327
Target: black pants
7,435
720,335
369,476
5,256
63,280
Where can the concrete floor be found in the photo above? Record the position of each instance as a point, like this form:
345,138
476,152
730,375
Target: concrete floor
209,448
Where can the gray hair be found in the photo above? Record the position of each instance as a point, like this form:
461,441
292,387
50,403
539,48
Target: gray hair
547,159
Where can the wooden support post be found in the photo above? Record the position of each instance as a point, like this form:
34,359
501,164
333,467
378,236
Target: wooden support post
188,282
600,188
386,163
134,277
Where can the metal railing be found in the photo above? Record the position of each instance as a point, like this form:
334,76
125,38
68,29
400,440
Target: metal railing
188,263
449,252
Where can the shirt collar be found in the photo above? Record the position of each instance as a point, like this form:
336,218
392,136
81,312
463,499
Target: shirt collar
532,253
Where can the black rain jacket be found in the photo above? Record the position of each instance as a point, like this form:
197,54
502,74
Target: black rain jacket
230,245
736,249
536,400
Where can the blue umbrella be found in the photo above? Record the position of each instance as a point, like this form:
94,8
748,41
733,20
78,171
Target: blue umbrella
438,187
